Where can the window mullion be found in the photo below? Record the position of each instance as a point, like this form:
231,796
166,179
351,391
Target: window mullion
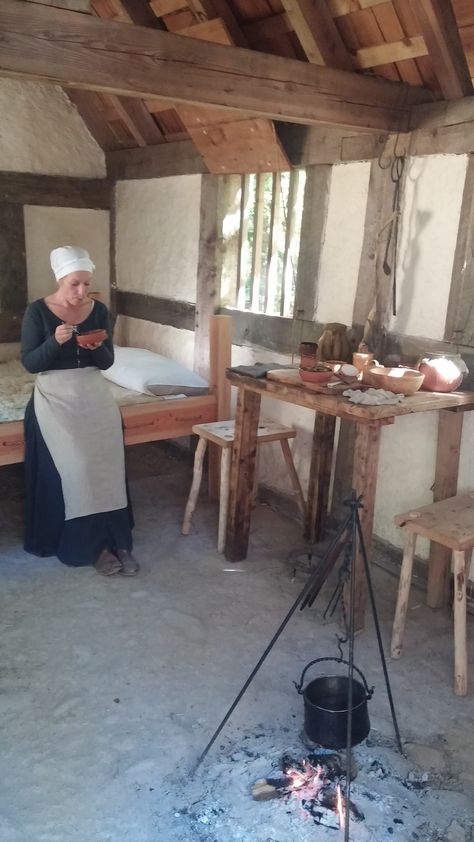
257,242
286,280
242,236
272,253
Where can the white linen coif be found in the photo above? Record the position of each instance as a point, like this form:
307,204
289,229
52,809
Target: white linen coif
67,259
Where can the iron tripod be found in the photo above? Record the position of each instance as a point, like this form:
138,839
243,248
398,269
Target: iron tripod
347,536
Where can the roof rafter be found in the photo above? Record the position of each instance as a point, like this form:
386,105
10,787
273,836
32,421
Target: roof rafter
317,33
439,28
79,51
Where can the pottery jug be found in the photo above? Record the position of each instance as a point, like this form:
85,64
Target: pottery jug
443,372
334,344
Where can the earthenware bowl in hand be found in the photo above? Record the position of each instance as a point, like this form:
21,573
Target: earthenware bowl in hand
91,337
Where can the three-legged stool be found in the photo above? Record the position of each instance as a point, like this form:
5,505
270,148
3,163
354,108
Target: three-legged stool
450,523
222,434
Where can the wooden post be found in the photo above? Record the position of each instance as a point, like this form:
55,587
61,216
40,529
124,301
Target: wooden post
13,284
207,298
242,474
364,481
220,343
294,478
460,647
195,486
403,594
319,477
445,485
226,454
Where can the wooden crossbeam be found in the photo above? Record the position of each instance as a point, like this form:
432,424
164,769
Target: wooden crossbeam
55,190
440,31
178,158
392,51
61,47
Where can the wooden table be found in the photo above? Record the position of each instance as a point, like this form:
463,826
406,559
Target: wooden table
368,421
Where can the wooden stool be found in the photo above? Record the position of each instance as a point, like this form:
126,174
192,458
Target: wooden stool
222,434
450,523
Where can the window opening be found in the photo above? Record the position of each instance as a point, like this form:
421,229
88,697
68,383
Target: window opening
260,263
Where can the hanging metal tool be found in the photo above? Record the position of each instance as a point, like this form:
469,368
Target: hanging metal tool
397,167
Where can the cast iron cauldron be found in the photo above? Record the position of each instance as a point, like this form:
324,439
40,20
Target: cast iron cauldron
326,707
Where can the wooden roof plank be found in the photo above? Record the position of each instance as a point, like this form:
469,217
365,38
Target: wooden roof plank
317,33
440,31
220,144
392,29
213,30
80,51
141,125
92,117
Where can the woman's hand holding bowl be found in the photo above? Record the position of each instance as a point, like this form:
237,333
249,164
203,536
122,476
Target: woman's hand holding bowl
92,346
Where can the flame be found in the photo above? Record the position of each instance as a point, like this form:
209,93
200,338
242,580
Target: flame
307,783
340,807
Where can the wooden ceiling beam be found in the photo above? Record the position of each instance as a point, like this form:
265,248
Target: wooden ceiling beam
81,51
55,190
178,158
72,5
317,33
440,31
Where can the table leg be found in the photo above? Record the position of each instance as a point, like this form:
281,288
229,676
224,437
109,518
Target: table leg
364,481
445,485
319,477
242,474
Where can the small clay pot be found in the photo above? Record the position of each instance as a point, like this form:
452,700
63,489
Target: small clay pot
91,337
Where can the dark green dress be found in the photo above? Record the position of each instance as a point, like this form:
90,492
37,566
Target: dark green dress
79,541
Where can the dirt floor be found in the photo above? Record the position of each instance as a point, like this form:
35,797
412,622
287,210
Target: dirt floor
111,688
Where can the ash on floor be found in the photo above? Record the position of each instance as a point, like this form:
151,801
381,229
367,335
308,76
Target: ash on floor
399,799
110,689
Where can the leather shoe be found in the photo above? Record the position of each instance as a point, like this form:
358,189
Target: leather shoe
130,565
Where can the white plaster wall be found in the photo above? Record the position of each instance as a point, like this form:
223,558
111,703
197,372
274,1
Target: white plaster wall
162,339
340,258
47,228
158,236
430,220
42,132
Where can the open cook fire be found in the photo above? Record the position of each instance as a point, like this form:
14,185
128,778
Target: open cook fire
314,784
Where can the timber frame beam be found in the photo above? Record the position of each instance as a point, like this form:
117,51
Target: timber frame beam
80,51
55,191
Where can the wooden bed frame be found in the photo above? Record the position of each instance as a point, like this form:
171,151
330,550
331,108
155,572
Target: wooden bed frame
167,419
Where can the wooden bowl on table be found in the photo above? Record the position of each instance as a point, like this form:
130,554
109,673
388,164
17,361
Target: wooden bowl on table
402,381
91,337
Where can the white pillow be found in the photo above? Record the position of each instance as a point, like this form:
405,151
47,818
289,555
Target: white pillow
150,373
